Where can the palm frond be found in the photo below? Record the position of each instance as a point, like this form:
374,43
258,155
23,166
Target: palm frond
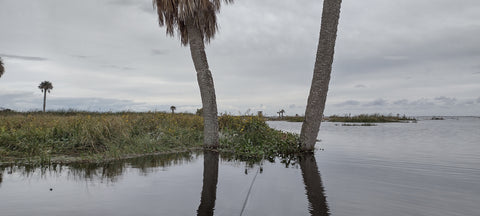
45,86
173,14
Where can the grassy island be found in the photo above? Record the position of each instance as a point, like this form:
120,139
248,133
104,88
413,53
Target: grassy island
363,118
370,118
88,136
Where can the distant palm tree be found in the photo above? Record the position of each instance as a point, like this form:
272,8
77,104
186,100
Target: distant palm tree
45,86
280,113
196,23
321,74
2,69
173,108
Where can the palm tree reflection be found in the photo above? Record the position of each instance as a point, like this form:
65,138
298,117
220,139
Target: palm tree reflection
210,180
313,185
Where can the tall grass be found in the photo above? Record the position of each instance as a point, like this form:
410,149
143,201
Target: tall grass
108,134
250,138
97,136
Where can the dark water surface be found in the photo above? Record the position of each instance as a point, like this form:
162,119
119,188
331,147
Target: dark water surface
425,168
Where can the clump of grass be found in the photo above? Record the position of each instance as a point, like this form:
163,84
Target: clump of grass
370,118
250,138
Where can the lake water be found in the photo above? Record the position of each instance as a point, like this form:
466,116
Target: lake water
427,168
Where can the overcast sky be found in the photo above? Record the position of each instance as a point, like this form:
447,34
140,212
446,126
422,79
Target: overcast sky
413,57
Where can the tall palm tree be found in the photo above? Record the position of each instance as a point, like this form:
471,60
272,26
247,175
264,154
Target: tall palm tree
321,74
2,69
173,108
45,86
196,23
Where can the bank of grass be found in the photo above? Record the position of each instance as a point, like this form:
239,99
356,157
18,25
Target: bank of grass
370,118
363,124
287,118
86,136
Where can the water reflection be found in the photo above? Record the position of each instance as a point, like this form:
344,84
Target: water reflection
119,172
210,180
313,185
108,171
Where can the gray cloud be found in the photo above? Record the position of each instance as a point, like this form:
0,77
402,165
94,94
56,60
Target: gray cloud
446,100
145,6
159,52
348,103
27,58
401,102
119,67
25,101
262,54
377,102
81,56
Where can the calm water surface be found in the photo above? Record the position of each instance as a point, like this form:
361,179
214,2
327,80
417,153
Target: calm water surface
425,168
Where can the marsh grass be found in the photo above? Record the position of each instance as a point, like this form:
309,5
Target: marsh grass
287,118
90,136
370,118
250,138
82,134
363,124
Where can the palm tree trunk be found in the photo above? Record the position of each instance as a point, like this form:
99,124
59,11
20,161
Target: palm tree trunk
44,99
205,82
321,74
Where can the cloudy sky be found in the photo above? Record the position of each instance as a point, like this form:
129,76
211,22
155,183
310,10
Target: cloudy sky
414,57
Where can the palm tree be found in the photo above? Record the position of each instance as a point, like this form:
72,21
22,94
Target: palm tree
196,23
321,74
45,86
173,108
2,69
282,111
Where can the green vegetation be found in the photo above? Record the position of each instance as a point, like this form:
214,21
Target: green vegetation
373,118
87,136
363,124
287,118
250,138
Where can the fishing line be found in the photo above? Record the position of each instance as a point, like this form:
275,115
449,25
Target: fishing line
248,193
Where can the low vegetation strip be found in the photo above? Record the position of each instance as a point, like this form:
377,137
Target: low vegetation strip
41,137
370,118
